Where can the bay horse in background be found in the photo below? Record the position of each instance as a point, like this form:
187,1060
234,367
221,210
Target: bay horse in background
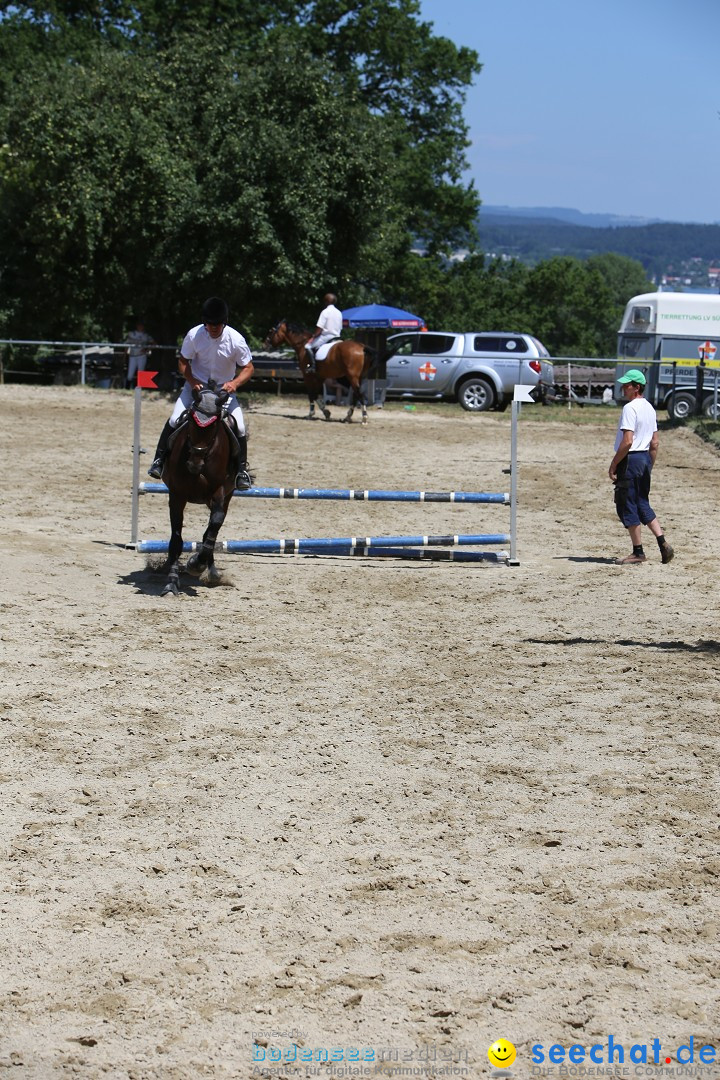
200,467
349,360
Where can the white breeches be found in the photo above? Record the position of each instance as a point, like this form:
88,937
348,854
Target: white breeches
320,340
136,363
186,399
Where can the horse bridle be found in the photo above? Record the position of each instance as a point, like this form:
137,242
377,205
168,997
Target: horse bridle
201,452
198,454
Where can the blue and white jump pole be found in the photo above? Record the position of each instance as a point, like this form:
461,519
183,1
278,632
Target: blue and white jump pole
353,495
318,546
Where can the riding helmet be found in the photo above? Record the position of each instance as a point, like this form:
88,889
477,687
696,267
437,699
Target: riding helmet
215,310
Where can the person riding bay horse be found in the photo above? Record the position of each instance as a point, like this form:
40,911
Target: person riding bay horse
349,360
211,351
329,328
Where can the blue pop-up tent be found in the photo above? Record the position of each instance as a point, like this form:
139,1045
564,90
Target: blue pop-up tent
381,317
373,323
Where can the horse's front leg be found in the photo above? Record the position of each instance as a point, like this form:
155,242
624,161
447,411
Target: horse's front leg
320,395
205,558
314,386
172,566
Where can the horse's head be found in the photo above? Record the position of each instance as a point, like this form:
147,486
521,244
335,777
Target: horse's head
205,413
276,336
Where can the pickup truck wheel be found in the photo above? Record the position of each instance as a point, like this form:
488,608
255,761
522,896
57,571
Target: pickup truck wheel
476,395
681,406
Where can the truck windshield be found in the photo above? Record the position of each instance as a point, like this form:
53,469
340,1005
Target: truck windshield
637,346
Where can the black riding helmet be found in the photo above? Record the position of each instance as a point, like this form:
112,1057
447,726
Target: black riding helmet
215,311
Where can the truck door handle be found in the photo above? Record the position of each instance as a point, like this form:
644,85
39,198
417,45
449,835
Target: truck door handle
402,363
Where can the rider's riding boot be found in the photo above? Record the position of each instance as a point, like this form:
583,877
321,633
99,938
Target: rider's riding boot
156,468
310,366
243,480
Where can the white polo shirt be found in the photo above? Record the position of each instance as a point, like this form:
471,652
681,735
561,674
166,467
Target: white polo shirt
215,358
330,320
639,417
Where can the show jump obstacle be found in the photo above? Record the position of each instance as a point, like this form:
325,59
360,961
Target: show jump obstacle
403,547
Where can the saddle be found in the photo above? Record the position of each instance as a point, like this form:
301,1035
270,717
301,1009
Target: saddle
206,413
324,349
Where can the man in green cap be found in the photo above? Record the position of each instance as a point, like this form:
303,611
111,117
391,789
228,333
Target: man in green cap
636,446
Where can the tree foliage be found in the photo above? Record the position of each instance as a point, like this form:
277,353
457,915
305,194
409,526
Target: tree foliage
266,150
157,152
573,306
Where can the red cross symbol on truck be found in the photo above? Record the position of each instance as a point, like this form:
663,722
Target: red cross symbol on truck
707,350
427,372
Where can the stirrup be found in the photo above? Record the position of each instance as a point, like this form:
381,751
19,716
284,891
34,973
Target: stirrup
156,468
243,480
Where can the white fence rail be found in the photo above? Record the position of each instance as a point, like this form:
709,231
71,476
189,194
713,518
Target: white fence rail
88,351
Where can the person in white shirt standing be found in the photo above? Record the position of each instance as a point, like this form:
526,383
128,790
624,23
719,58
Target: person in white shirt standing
211,350
139,343
636,446
329,328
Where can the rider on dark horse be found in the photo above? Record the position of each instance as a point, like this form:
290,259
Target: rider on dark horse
329,328
211,351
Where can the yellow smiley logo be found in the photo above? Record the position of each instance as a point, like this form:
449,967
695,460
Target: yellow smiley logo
501,1054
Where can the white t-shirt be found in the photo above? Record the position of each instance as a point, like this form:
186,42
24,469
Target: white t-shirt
639,417
330,320
215,358
138,341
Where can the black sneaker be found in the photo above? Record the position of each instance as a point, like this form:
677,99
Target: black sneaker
666,553
156,468
243,480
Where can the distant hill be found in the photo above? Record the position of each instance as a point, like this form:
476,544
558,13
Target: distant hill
666,250
560,215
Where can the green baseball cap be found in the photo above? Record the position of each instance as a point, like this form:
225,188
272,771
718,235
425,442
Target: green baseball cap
633,376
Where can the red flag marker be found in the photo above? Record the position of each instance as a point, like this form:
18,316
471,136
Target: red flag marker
146,379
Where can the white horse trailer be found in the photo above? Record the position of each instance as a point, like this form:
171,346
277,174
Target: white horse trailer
668,335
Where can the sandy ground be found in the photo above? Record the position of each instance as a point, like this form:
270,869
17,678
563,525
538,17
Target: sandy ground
410,808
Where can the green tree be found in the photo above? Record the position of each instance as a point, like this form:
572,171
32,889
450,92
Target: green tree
473,293
268,149
623,278
576,305
126,183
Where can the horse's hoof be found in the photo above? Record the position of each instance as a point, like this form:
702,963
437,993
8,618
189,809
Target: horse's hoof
171,589
193,566
213,575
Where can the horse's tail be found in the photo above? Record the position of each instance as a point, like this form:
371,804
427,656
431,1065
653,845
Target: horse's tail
371,361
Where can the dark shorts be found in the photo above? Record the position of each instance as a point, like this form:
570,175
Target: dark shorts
632,489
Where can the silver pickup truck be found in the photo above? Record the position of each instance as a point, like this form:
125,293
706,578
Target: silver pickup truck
479,369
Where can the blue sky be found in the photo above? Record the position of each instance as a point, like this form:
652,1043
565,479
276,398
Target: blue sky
606,106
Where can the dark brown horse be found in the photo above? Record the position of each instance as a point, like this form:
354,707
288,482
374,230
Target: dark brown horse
200,468
349,360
